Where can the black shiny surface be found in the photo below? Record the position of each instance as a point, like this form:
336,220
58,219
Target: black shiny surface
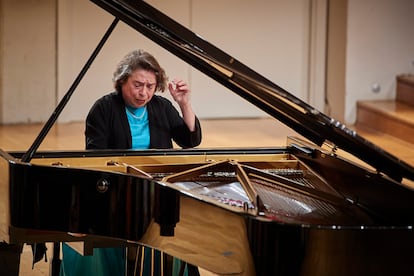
67,200
364,237
310,251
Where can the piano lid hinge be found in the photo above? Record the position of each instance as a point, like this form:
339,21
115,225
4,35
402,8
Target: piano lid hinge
332,148
302,150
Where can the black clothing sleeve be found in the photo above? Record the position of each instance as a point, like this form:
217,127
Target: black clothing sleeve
107,125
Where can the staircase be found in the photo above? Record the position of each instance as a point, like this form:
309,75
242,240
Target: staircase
393,117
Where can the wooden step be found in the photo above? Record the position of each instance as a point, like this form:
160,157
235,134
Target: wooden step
405,89
388,116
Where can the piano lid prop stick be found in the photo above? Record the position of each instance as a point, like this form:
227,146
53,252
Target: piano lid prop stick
27,157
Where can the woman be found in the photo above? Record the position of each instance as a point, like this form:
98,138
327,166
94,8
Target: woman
110,123
133,117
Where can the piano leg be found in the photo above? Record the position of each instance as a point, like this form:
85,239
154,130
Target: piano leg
56,261
10,258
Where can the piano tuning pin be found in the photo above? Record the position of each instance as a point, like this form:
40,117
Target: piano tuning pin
245,206
102,185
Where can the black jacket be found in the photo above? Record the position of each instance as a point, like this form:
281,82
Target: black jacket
107,125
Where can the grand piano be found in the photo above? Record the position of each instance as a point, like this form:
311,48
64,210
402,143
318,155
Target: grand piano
299,209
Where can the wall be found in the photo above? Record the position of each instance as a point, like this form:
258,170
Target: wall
1,57
380,45
256,34
45,44
34,75
336,60
28,55
75,26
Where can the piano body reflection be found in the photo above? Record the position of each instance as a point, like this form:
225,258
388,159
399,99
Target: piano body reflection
301,209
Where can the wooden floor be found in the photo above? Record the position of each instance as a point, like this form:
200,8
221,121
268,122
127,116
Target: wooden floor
216,133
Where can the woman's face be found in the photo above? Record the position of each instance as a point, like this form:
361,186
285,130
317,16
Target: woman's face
139,88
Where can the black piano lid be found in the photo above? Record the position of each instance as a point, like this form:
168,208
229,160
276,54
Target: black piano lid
271,98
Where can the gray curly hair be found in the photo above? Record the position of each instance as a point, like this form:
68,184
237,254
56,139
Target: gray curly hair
139,59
